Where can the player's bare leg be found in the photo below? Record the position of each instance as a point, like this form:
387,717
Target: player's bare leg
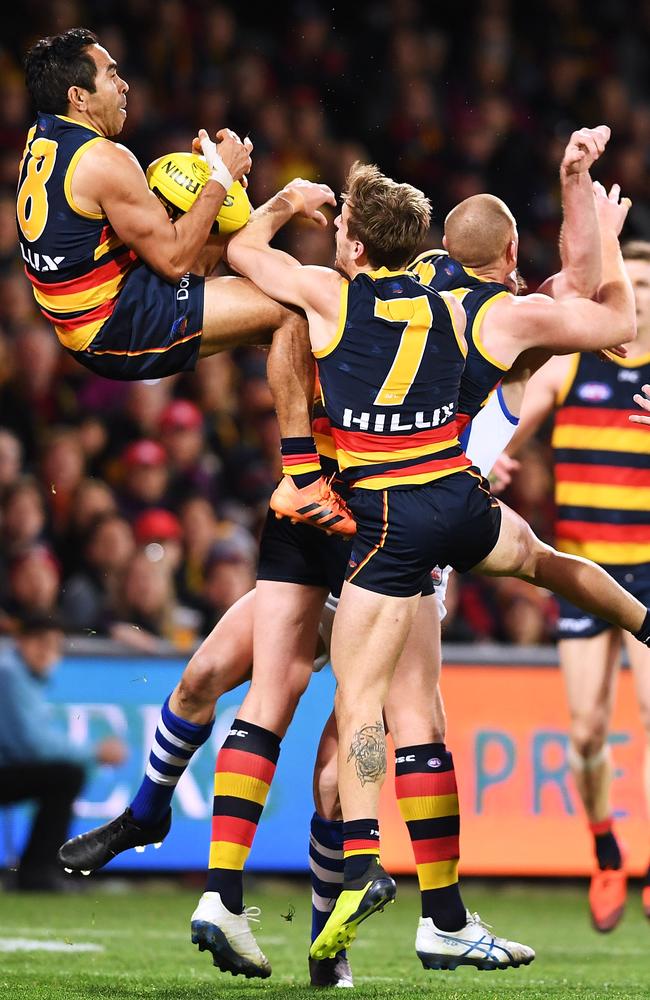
448,935
518,552
590,667
640,664
222,662
285,637
368,637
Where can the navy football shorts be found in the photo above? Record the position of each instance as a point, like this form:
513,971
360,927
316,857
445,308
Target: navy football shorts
574,623
402,534
301,554
155,329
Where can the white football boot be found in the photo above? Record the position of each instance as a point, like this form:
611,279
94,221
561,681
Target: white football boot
474,944
228,937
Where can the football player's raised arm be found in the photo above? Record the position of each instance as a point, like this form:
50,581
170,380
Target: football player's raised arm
138,217
280,275
570,325
580,275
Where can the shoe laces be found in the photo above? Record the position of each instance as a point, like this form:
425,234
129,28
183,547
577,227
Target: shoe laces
328,493
252,914
475,918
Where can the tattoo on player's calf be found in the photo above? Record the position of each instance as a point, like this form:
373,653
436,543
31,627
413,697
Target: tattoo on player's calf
368,751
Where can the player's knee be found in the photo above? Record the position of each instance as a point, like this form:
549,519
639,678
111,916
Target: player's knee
203,681
588,736
532,555
295,681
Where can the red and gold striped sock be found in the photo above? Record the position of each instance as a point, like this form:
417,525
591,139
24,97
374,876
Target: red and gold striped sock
300,460
243,774
360,847
427,796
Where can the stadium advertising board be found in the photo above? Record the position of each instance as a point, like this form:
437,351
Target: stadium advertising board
507,729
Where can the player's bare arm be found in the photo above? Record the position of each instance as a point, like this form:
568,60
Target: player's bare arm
281,276
542,395
575,324
109,179
580,275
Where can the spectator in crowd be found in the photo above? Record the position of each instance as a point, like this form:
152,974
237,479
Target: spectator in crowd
91,595
11,459
34,585
92,498
145,606
23,517
145,477
193,468
200,529
62,468
228,573
160,534
38,763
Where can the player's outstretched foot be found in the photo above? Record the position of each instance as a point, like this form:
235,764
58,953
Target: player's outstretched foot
474,944
607,894
317,504
228,938
359,899
97,847
327,972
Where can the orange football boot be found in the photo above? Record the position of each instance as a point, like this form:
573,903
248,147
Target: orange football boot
607,894
317,504
645,900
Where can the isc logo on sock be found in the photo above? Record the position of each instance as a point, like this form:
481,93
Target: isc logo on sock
409,759
238,732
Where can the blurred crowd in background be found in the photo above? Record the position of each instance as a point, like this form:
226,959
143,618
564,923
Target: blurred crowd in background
134,508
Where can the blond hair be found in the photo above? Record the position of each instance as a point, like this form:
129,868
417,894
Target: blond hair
478,230
390,219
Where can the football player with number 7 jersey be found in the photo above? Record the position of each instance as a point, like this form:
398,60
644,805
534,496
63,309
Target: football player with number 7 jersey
390,355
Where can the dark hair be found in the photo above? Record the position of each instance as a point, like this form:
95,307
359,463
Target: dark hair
55,64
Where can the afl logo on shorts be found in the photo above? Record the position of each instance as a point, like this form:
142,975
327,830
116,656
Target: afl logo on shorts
594,392
179,326
434,762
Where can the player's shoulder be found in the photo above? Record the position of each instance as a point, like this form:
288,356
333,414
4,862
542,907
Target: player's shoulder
426,257
510,307
108,166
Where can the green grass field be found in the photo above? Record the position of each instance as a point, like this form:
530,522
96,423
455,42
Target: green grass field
143,948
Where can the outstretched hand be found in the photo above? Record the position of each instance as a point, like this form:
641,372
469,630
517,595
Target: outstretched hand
307,197
584,148
502,472
644,403
611,208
